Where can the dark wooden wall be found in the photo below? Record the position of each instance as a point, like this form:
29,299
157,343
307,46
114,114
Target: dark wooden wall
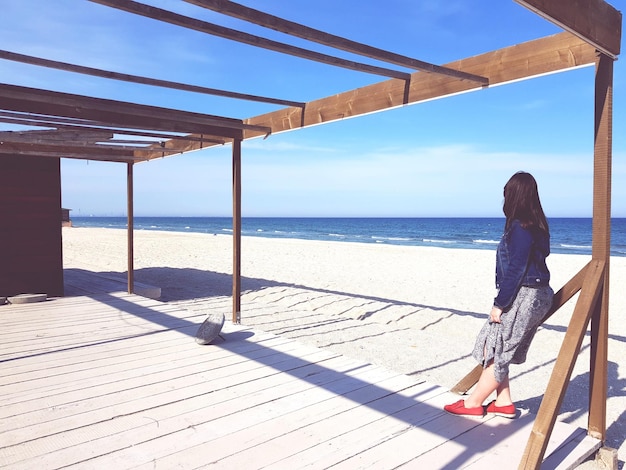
31,249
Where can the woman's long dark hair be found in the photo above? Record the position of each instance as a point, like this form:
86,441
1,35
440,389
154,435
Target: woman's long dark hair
521,202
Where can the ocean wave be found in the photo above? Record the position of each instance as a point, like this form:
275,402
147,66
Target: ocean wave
393,239
488,242
431,240
575,247
338,235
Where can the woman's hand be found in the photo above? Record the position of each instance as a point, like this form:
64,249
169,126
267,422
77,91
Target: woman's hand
494,316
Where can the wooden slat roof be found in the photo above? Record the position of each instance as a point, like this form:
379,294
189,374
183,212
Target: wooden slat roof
77,126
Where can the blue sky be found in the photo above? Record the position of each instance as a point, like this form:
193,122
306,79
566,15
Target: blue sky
448,157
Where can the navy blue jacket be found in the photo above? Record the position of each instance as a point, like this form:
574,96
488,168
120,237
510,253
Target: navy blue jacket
520,261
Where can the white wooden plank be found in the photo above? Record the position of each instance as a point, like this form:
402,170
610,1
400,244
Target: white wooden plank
187,355
146,390
494,444
111,323
194,404
239,417
275,450
573,452
84,316
23,318
162,371
205,415
50,337
417,419
293,431
32,361
425,446
100,352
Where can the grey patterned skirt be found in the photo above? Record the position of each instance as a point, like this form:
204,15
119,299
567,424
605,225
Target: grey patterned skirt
508,342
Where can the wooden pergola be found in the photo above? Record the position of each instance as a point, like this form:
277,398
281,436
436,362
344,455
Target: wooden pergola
84,127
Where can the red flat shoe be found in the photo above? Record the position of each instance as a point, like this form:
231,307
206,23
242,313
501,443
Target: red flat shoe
459,409
507,411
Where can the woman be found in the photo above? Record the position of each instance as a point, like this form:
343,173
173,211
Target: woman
523,299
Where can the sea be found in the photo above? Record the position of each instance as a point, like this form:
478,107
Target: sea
568,235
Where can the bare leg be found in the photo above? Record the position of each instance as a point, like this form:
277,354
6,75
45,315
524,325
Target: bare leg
486,386
503,393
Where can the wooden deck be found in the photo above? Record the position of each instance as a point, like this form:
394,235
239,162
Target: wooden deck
116,381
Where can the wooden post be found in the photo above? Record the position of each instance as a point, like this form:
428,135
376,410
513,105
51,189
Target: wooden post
237,231
130,217
601,245
594,297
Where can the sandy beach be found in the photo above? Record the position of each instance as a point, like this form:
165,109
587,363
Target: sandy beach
415,310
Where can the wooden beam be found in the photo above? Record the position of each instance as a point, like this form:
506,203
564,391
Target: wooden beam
43,120
239,36
88,150
138,142
595,21
467,382
565,293
59,136
118,113
142,80
77,156
70,125
194,142
228,7
66,143
542,56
